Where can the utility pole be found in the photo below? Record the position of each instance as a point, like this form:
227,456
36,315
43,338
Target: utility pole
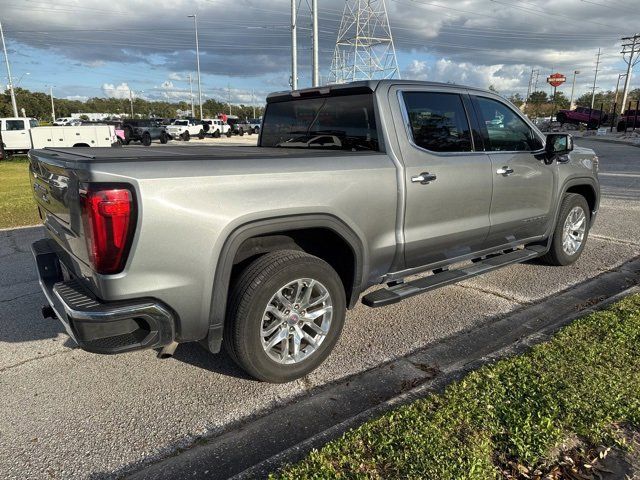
615,99
131,101
195,22
631,47
294,47
595,79
253,103
53,107
229,97
6,59
315,41
193,112
573,86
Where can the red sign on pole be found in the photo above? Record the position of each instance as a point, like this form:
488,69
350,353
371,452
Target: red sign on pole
556,79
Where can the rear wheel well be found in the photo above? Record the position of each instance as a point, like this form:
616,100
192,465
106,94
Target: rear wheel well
320,242
587,192
81,145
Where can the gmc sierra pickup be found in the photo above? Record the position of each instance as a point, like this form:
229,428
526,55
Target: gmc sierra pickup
263,248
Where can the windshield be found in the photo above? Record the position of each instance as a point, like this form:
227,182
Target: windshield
341,122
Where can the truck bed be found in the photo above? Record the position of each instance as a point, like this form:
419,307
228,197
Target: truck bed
176,153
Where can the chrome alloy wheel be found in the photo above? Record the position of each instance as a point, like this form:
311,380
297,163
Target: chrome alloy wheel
573,231
296,321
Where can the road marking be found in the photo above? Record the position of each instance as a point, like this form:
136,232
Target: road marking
631,175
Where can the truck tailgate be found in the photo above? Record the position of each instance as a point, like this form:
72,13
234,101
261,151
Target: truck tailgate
55,188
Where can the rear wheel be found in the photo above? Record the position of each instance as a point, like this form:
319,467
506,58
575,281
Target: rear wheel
571,232
256,130
201,134
593,124
216,134
146,139
164,138
229,134
285,315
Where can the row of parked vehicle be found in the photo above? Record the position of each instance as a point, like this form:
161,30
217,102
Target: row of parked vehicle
147,130
593,118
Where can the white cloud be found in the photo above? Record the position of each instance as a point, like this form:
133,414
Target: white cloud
116,91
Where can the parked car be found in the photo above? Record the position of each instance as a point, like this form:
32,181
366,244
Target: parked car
144,131
67,121
264,248
590,117
237,126
628,119
23,134
185,129
256,123
217,127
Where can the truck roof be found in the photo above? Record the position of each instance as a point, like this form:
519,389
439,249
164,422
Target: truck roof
361,86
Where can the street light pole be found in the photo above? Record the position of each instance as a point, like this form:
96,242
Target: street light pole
53,107
573,86
314,26
195,23
595,79
131,101
193,112
6,59
294,47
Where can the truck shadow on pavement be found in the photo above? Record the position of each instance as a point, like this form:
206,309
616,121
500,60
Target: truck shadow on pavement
194,354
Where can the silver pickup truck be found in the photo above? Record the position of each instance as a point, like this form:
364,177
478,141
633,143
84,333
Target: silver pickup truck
263,248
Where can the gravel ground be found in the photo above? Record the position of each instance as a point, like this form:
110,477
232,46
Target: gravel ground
71,414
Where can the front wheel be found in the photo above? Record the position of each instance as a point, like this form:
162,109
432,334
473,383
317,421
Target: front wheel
186,136
216,134
201,134
146,139
164,138
571,232
285,315
229,134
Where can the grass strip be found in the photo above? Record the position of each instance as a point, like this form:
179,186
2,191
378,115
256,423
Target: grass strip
508,419
17,207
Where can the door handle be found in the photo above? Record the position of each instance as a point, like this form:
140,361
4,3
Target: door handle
505,171
424,178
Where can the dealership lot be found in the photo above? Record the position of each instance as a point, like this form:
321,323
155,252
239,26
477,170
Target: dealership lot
70,414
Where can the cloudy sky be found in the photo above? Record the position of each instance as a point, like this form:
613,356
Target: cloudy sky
88,48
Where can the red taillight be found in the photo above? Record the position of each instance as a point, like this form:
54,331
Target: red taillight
108,215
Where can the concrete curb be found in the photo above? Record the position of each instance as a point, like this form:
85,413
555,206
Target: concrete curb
262,445
24,227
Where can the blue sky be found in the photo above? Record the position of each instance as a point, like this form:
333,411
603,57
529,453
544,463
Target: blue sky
90,48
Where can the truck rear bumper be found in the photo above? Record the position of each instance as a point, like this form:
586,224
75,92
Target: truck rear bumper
97,326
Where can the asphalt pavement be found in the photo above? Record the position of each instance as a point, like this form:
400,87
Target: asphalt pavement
71,414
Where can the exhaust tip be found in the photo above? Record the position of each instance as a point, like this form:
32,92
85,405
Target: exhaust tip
168,350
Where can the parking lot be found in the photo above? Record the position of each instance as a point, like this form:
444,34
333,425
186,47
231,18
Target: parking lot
71,414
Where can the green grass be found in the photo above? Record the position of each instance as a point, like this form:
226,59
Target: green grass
17,207
583,384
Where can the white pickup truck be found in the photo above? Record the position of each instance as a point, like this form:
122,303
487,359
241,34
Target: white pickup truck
185,129
23,134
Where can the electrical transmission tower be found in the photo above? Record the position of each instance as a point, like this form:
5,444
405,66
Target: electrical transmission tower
364,48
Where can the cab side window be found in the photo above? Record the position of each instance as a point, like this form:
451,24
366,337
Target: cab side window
505,130
438,121
15,125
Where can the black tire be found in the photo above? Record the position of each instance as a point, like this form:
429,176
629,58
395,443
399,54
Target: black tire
216,134
229,134
592,125
556,254
256,130
186,136
621,127
146,139
562,118
250,295
164,138
201,135
127,141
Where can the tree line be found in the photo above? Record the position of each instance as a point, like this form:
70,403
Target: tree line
38,105
541,104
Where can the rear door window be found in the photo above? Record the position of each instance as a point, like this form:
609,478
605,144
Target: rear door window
13,125
438,121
